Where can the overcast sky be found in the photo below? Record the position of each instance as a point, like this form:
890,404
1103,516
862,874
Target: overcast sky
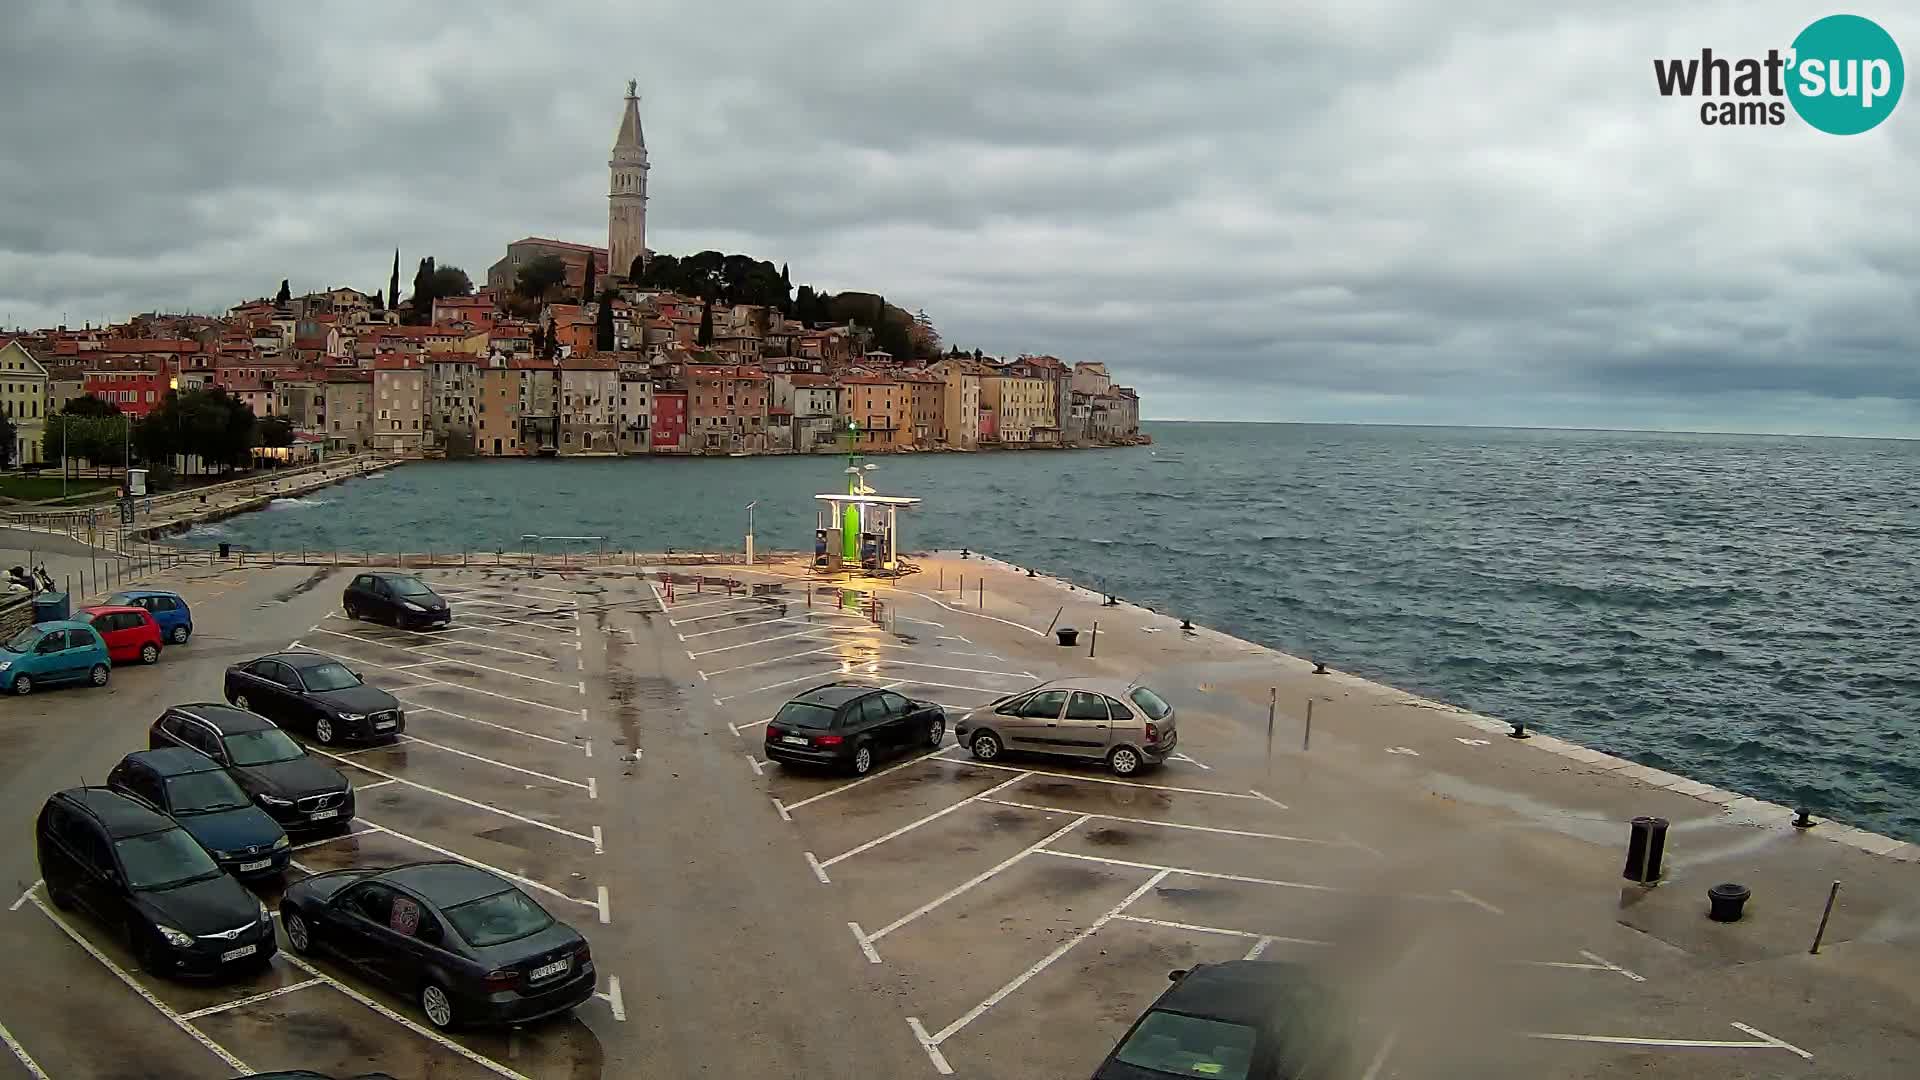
1382,210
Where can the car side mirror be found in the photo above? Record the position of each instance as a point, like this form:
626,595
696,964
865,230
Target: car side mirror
1176,974
356,675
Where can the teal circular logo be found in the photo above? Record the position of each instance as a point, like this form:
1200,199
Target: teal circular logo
1847,75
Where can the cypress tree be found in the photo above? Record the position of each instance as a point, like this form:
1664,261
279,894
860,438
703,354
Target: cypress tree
586,287
603,325
393,284
706,323
284,295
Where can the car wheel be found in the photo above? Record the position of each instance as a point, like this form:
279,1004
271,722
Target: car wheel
936,732
986,746
437,1005
862,759
323,730
1124,761
22,685
149,653
99,675
240,702
353,613
180,635
299,934
145,955
59,898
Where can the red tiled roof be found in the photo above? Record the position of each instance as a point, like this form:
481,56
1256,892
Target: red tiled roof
804,379
149,345
558,243
589,363
725,371
395,363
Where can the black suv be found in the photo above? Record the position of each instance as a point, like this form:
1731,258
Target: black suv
400,599
269,766
145,876
314,693
849,725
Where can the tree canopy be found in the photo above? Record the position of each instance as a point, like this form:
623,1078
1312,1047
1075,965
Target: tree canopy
728,279
88,405
533,280
431,282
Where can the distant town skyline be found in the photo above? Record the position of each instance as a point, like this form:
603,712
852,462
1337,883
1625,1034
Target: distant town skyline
1328,215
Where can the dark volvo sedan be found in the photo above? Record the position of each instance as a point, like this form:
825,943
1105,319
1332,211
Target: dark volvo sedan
269,766
469,946
314,693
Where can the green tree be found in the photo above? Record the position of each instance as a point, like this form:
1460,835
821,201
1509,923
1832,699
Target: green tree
89,405
586,285
638,271
274,431
420,277
706,323
603,323
284,296
534,279
7,436
393,284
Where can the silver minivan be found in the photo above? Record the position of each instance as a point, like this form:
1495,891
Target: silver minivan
1126,725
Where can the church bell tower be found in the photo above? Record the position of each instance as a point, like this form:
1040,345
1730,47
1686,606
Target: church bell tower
627,191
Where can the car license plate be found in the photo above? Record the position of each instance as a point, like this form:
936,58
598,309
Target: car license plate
554,968
250,867
386,725
236,954
797,740
322,815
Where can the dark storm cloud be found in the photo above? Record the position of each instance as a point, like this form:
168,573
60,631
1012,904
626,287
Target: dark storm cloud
1371,210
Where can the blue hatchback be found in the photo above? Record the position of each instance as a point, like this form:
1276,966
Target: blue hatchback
169,609
51,653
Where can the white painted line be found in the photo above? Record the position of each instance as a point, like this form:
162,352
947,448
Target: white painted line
713,615
1091,779
817,676
1046,961
503,697
806,618
587,745
781,809
245,1001
923,622
1168,824
1781,1043
996,692
933,1049
691,655
593,786
1611,966
1259,948
600,902
1477,902
976,614
982,655
1191,761
1713,1044
734,599
963,670
370,787
1182,871
431,660
478,1059
970,883
484,723
774,660
457,857
489,648
870,776
515,585
866,943
818,870
470,600
516,622
587,787
599,847
403,689
1258,794
15,906
615,1000
1223,931
737,728
13,1044
146,995
936,815
1380,1059
461,799
497,632
350,834
755,764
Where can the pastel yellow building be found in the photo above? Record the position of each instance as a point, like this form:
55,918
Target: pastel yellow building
23,397
1019,403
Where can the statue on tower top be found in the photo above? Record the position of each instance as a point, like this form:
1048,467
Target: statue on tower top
633,86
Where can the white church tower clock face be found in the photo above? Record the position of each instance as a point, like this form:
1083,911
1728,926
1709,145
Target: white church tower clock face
627,190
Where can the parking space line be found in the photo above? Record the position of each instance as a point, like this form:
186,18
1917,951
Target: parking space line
491,761
937,814
461,799
13,1044
370,787
437,682
1046,961
1765,1041
147,995
714,615
716,600
1172,824
1094,779
520,622
932,1048
613,998
1611,966
997,692
967,670
484,667
476,600
769,622
483,723
1259,948
1190,761
755,764
1264,797
600,904
1782,1044
818,675
871,776
691,655
738,728
1213,875
867,940
1223,931
1380,1058
25,896
818,870
1477,902
526,603
976,614
555,642
480,645
481,1060
775,660
457,857
250,1000
507,697
516,585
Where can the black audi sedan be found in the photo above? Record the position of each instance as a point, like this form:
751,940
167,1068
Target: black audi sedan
466,943
316,694
399,599
275,771
204,800
849,725
145,877
1239,1020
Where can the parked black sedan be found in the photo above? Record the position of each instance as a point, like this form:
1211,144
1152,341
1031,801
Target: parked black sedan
269,766
204,800
849,725
400,599
1240,1020
470,947
314,693
144,877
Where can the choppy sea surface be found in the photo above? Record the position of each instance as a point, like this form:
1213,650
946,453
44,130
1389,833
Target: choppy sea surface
1743,610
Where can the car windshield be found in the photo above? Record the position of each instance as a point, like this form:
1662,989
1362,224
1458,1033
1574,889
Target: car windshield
1174,1044
120,599
406,586
162,860
502,917
204,793
328,677
261,747
804,714
23,641
1150,703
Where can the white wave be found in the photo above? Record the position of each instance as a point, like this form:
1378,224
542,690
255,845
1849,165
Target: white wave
296,503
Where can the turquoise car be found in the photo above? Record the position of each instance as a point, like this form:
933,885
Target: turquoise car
52,653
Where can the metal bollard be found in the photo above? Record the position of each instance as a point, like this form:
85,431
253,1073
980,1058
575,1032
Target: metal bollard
1646,847
1093,638
1824,916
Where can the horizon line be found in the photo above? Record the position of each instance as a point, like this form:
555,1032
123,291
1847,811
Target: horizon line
1536,427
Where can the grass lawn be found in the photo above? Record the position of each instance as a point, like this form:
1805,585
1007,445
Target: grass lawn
47,486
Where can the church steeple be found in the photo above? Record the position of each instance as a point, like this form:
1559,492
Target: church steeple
627,190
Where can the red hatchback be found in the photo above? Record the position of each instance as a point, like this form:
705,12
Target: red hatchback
130,632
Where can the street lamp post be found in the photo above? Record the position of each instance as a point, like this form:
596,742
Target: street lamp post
750,507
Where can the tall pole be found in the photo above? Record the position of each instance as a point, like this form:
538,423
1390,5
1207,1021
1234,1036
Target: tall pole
63,457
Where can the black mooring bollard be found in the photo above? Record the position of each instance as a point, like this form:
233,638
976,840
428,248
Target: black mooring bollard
1646,847
1029,571
1804,820
1186,624
1519,730
1725,902
1319,668
1068,635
